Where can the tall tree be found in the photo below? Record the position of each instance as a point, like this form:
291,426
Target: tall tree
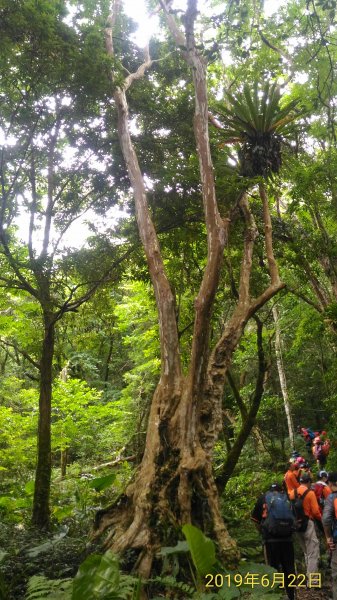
50,176
175,480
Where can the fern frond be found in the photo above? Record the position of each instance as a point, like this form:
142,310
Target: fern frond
171,582
41,588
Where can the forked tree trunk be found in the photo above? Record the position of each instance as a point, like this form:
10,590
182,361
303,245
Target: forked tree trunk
175,484
41,510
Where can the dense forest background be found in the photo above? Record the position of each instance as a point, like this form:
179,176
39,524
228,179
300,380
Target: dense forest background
168,284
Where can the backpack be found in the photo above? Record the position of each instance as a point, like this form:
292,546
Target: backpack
326,448
279,521
334,522
307,433
318,451
301,519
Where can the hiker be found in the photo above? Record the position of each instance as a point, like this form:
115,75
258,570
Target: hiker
308,436
329,520
290,479
320,451
274,519
305,501
294,455
300,466
321,489
304,468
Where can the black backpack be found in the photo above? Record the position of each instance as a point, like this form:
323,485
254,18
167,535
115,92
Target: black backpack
280,520
301,519
334,522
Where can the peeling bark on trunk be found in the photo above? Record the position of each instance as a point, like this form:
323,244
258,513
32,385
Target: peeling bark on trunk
41,511
282,378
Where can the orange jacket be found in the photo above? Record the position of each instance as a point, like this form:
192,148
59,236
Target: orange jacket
291,481
310,504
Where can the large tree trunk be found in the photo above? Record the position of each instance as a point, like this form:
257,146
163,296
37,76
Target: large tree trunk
41,510
174,485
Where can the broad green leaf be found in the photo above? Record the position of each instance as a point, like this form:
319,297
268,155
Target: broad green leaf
7,502
97,577
61,512
180,547
107,576
48,545
83,584
29,487
229,592
202,549
102,483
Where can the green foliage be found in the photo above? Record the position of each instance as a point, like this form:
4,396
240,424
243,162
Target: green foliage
41,588
46,546
74,405
171,583
202,549
256,121
56,87
203,555
253,112
102,483
99,578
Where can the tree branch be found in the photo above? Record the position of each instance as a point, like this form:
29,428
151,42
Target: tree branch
7,252
268,236
251,234
282,53
249,421
217,228
115,462
50,188
23,353
164,297
238,398
305,298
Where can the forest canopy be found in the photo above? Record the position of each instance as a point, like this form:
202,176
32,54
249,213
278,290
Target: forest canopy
168,283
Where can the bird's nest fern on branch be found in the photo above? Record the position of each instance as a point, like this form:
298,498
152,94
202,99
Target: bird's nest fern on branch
255,120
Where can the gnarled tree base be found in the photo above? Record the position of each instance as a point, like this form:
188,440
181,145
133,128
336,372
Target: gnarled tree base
174,486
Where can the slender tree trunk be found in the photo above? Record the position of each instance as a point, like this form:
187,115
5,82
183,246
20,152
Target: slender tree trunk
108,359
248,415
282,378
41,510
64,451
64,458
